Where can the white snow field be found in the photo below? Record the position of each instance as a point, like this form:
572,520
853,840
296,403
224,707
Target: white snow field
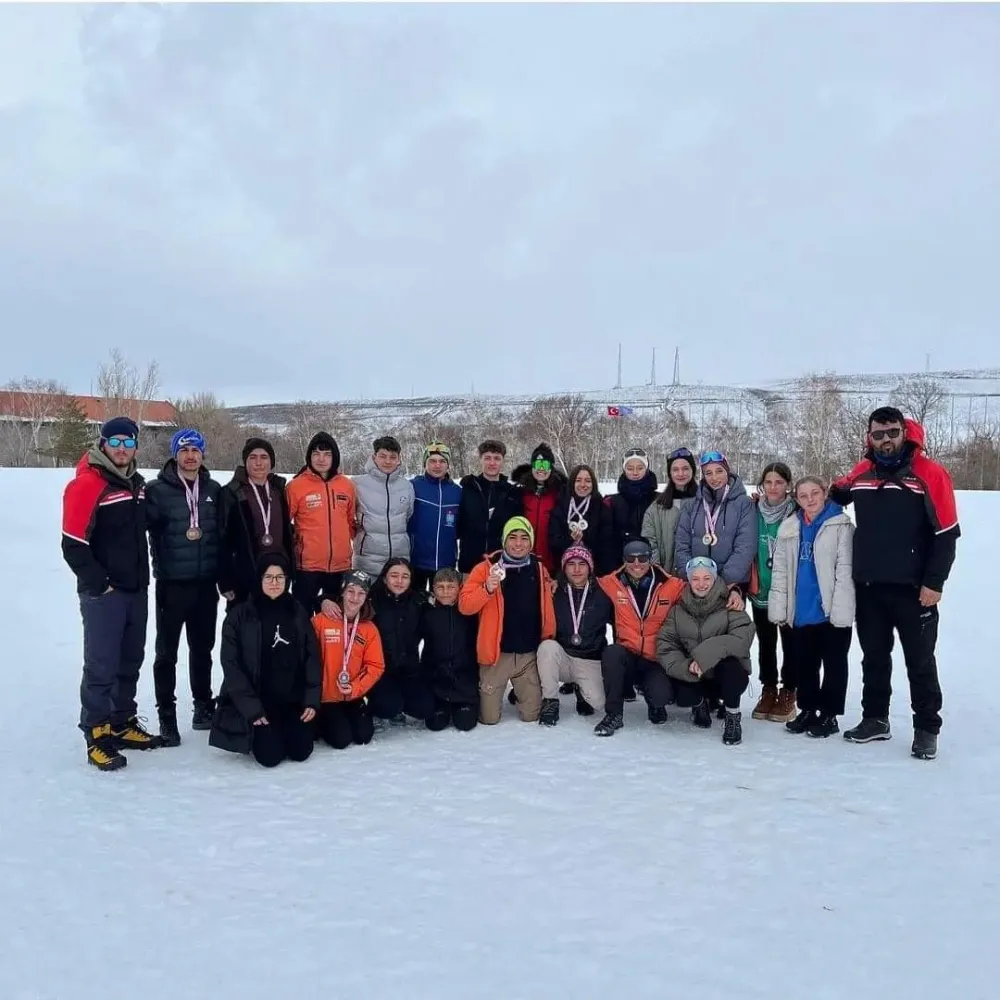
511,862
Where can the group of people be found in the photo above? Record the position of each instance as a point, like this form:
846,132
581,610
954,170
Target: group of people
353,603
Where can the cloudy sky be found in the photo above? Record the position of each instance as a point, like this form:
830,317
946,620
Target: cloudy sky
279,202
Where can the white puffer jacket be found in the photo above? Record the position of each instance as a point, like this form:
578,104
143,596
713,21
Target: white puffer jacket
384,508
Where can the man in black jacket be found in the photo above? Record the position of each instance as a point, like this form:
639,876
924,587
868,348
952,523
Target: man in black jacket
185,531
904,547
488,502
583,614
104,543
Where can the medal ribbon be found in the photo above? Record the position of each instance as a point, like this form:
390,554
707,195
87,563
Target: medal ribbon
265,515
191,493
712,519
635,604
577,511
344,678
578,618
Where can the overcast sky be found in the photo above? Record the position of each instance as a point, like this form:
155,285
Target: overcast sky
328,201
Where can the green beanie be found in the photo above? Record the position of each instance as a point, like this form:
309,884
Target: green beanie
518,524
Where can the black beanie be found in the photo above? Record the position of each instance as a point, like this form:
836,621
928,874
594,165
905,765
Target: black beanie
324,442
544,451
254,443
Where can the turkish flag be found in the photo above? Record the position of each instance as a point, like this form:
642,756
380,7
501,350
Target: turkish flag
613,411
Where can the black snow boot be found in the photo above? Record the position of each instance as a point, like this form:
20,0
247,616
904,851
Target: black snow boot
801,723
701,715
568,688
549,716
609,725
868,731
583,707
733,733
657,715
203,715
169,733
824,726
720,710
924,745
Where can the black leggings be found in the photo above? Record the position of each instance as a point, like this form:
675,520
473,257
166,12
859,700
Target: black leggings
767,651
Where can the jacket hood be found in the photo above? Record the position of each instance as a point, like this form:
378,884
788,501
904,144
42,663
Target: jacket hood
523,477
702,607
324,442
736,489
373,470
95,456
913,434
832,513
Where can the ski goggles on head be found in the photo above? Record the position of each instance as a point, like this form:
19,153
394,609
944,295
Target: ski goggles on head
712,458
121,442
635,453
701,562
680,453
543,464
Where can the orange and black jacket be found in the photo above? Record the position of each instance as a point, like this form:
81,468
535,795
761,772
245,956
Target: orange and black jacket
474,599
638,635
323,512
365,666
104,527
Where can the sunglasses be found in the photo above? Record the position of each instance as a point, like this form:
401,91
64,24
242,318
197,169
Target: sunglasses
892,433
712,458
635,453
121,442
543,464
637,559
680,453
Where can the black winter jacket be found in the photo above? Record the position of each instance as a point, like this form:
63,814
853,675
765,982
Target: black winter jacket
478,532
240,697
627,508
597,537
448,660
598,614
398,622
175,558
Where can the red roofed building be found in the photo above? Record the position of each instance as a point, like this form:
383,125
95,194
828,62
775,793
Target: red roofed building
45,408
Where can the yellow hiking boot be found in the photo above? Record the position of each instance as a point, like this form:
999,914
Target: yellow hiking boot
101,750
135,737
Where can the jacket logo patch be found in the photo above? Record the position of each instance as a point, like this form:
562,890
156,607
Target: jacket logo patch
340,497
331,634
313,500
449,519
402,500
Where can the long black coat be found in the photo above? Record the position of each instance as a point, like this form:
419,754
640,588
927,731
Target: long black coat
597,537
478,532
167,518
448,660
627,508
398,622
240,697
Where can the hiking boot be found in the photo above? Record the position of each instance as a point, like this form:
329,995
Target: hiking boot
924,745
822,727
732,735
701,715
583,707
569,688
801,723
656,715
101,749
135,736
549,715
868,731
169,733
784,707
764,707
203,715
609,725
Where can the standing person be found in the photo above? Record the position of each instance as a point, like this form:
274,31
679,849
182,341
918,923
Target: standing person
351,651
323,508
271,672
488,502
659,524
385,506
812,591
397,608
583,613
580,518
774,505
434,525
720,524
448,657
642,595
541,483
704,647
255,520
637,487
904,547
184,518
510,592
104,544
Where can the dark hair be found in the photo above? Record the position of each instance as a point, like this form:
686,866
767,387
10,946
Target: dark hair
490,445
670,491
571,481
447,575
386,443
886,415
778,467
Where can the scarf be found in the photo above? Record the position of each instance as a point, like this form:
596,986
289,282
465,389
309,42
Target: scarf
772,514
509,562
635,491
889,465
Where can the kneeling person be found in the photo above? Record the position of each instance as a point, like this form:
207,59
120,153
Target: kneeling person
511,593
583,614
704,647
271,673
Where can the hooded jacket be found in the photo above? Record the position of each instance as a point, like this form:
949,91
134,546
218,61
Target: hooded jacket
397,619
104,526
365,666
703,630
638,635
323,512
627,508
659,526
906,517
485,507
448,658
175,556
736,530
539,502
385,506
433,527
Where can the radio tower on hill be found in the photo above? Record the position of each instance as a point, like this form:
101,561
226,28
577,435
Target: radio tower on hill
677,366
618,384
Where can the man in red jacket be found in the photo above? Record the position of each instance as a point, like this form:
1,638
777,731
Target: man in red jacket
904,547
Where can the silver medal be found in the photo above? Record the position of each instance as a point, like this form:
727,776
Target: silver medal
193,533
266,539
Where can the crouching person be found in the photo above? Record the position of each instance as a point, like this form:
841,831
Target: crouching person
448,658
704,647
271,672
351,650
641,595
510,591
583,614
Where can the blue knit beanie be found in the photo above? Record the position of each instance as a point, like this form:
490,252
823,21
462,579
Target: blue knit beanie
187,437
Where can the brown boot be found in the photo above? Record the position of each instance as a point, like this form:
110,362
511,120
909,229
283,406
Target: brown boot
784,709
768,699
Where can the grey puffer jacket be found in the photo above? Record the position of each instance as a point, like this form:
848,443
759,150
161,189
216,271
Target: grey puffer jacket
384,508
703,630
659,528
833,554
736,529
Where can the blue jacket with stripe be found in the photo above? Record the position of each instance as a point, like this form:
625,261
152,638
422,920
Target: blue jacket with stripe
434,525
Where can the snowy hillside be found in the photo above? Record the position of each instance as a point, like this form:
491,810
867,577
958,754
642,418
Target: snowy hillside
511,863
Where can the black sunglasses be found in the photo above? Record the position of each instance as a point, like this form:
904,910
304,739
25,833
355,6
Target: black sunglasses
892,433
680,453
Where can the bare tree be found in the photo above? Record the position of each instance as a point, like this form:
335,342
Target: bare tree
124,388
819,419
35,404
924,400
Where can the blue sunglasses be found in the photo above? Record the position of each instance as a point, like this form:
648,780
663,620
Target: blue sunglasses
120,442
712,458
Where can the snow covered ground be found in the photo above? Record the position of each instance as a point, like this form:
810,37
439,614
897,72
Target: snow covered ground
512,862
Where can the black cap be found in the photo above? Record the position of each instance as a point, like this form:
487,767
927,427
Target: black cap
637,547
